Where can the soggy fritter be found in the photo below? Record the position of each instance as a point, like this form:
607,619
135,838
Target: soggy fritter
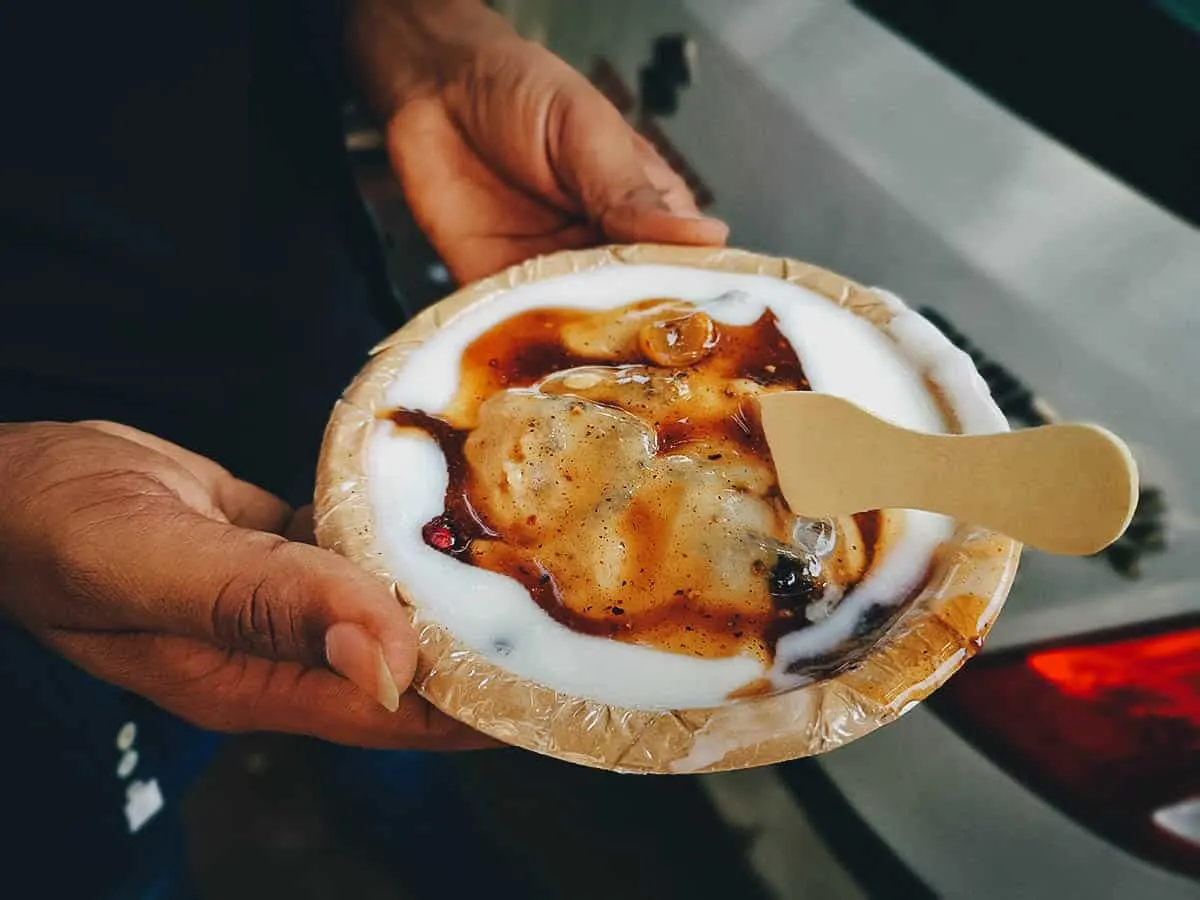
612,463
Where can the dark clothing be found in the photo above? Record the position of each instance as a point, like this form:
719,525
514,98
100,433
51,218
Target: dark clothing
181,250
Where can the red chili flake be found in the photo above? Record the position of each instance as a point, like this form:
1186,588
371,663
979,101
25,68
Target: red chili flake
438,535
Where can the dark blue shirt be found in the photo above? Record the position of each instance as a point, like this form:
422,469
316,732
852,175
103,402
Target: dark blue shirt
182,250
180,245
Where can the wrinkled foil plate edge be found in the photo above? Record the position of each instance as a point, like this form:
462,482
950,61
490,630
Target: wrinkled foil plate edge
942,628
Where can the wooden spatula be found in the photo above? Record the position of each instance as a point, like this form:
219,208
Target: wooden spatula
1068,489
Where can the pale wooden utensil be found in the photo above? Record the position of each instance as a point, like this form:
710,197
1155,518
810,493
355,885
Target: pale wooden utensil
1068,489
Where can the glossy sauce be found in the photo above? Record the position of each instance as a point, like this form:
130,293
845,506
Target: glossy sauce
524,350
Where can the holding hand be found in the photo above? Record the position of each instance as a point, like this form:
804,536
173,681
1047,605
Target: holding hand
156,570
502,149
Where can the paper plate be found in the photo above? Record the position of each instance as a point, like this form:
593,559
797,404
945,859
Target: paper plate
942,628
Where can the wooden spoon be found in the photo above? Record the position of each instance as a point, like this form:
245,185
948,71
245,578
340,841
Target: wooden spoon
1068,489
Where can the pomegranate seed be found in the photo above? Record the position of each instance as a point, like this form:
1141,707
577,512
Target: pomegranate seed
438,535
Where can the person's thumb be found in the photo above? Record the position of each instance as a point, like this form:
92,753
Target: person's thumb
257,593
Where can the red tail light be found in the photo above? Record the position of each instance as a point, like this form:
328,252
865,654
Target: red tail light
1107,728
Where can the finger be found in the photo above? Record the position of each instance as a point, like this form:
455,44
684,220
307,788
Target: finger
249,506
228,497
174,570
674,191
478,222
477,257
232,692
639,218
642,219
623,187
301,527
203,468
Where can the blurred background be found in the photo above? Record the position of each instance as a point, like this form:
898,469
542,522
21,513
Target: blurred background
1029,174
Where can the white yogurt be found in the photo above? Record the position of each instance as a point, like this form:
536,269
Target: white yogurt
841,354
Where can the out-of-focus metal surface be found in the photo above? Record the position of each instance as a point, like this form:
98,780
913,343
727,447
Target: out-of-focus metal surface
971,831
782,842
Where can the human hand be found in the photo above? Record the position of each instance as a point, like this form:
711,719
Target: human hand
154,569
502,149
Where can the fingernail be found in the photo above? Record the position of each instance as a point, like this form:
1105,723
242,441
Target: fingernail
700,217
358,657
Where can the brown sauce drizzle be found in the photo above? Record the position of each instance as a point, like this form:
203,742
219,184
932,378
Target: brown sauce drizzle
868,529
527,348
464,525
